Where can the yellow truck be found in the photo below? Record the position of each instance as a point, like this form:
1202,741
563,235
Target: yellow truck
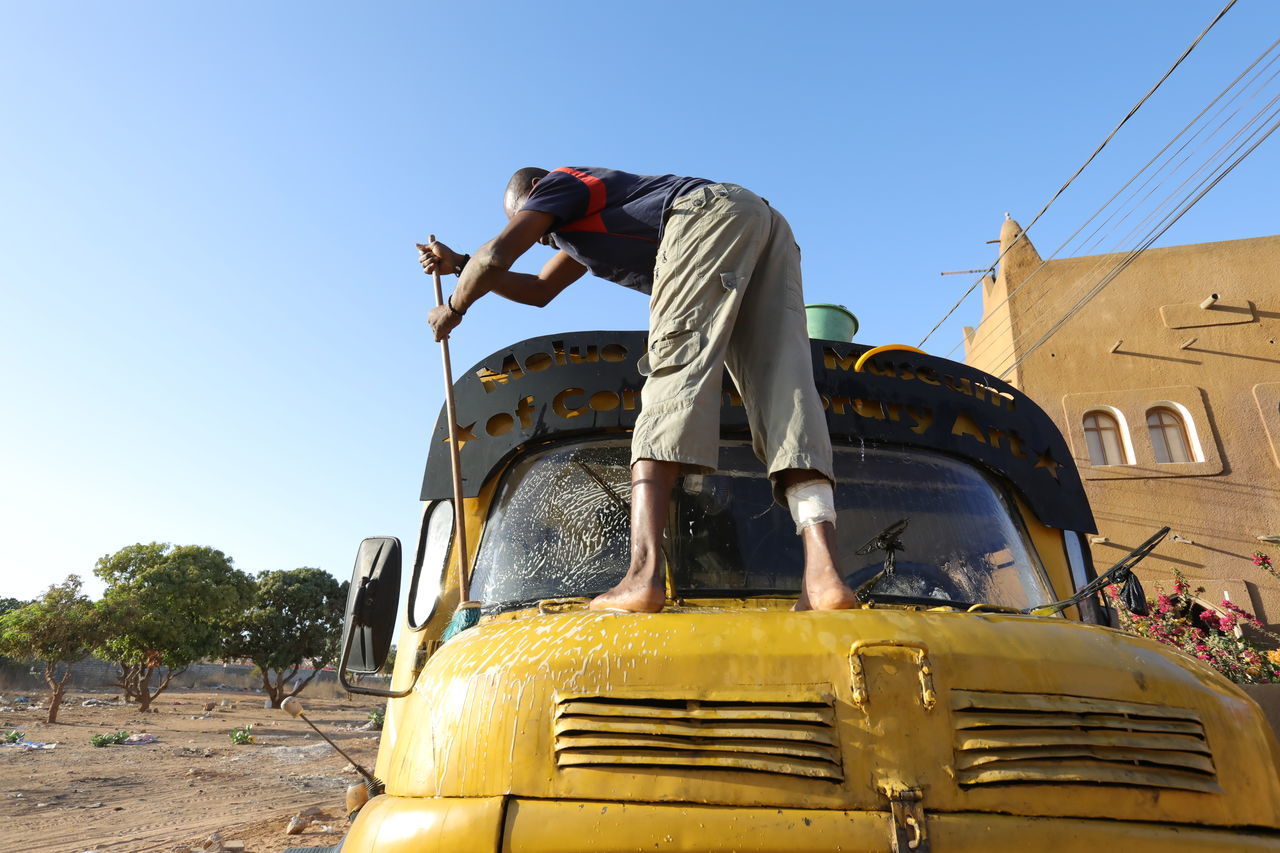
952,711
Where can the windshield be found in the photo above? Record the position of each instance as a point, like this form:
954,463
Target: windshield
559,527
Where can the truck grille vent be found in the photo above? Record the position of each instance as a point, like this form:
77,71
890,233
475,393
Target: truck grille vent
786,737
1009,738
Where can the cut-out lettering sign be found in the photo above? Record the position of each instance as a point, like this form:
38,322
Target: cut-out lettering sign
576,384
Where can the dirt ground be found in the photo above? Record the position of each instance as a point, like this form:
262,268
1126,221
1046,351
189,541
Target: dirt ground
193,782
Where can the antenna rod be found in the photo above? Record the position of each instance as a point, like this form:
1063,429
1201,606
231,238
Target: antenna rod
293,707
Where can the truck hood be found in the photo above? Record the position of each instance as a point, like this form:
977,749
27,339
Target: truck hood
977,711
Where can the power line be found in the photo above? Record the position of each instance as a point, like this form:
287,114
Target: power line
1084,249
1010,348
1089,160
1032,319
1120,267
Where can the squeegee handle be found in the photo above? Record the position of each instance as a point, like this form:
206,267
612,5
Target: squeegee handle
365,773
459,518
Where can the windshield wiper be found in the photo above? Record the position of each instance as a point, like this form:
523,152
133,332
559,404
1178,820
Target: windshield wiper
886,540
604,487
1131,594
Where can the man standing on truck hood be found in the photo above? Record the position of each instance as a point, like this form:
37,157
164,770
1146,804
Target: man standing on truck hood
722,271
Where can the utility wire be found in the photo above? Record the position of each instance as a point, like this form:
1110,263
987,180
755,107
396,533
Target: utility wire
1026,281
1120,267
983,347
1010,348
1090,159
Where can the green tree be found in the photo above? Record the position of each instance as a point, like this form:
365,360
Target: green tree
166,608
7,604
59,628
295,619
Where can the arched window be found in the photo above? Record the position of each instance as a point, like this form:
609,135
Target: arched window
1168,436
1102,435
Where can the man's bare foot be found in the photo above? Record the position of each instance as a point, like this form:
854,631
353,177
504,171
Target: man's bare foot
828,594
802,603
643,589
634,595
822,587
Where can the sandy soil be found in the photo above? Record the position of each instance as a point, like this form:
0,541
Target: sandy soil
191,783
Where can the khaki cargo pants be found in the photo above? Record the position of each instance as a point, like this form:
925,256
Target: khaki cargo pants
726,291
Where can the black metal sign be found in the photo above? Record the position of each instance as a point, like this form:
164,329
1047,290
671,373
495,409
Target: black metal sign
580,383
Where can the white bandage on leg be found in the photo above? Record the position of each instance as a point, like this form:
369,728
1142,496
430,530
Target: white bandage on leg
812,502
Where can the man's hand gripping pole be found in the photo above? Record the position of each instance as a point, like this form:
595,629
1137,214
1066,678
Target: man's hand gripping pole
459,519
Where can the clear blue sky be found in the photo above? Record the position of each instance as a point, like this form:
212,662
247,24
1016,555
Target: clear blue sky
211,314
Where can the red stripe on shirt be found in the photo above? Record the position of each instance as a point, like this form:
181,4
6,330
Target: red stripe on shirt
595,189
593,221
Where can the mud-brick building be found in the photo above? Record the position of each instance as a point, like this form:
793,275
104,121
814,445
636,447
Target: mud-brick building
1167,386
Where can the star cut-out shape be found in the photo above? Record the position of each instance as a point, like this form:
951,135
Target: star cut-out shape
1047,462
464,435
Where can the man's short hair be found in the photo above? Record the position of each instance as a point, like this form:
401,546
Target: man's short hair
520,184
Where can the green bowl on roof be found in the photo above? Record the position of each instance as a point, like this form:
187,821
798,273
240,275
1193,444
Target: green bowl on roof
830,322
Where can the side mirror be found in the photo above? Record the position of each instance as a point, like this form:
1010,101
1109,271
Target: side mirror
372,605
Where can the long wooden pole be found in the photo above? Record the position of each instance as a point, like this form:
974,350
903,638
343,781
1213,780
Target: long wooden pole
459,519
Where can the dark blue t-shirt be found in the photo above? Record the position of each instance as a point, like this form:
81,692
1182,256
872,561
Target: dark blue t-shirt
610,221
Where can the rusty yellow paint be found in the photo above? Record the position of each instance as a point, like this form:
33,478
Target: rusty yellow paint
482,721
1068,772
1024,737
1169,758
979,719
670,730
1057,737
1067,703
857,676
704,745
668,761
673,728
576,827
412,825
